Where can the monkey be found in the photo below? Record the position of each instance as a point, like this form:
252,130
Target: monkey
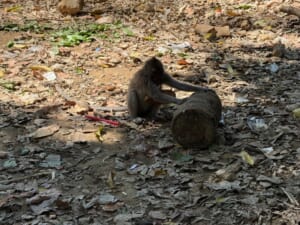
145,94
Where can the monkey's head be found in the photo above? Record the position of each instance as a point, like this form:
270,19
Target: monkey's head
155,69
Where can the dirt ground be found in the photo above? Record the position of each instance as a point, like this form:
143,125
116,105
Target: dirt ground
59,167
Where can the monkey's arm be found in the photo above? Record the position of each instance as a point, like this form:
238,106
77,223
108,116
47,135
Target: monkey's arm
181,85
158,96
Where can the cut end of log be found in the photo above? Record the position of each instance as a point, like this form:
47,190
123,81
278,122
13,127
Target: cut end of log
194,128
194,122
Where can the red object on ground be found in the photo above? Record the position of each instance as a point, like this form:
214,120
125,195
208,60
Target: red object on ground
111,122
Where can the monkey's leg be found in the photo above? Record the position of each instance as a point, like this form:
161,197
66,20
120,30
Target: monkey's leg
169,92
133,104
152,114
155,106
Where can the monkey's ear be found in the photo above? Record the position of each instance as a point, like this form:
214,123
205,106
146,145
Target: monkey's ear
152,59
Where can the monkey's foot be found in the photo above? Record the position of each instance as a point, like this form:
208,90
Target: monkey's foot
138,120
163,117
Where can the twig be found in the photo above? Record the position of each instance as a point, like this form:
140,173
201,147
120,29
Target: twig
25,177
292,199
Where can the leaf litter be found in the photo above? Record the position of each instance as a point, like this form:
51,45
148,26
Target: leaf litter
58,166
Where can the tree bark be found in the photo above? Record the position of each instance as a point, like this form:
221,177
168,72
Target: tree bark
195,121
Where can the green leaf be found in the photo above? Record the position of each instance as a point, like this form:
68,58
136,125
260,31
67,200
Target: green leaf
128,32
244,7
9,85
247,158
10,44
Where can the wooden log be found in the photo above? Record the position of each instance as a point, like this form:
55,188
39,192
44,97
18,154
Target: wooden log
290,10
195,121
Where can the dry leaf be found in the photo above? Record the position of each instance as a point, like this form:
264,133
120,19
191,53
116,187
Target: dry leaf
45,131
1,73
110,179
40,67
182,62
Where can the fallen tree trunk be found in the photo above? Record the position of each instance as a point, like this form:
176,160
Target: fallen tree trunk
290,10
195,121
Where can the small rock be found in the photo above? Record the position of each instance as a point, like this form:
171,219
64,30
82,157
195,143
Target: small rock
11,163
124,46
274,68
3,155
157,215
70,7
223,31
245,25
278,50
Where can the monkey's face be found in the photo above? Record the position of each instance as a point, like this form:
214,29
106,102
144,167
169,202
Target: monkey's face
156,78
156,70
157,74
